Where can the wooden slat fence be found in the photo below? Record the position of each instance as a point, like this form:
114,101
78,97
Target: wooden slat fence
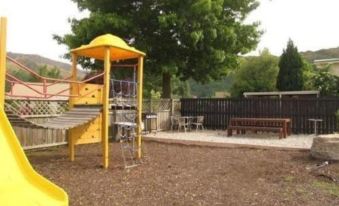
217,112
38,111
32,138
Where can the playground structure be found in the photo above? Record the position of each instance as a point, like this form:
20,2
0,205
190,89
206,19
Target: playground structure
87,119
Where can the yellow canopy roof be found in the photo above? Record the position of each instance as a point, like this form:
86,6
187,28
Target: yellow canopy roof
119,49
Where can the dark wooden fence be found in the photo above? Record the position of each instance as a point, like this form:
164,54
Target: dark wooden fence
217,112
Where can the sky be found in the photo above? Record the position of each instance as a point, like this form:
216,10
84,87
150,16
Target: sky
311,24
32,23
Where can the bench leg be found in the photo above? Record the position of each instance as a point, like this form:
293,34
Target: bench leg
229,132
285,130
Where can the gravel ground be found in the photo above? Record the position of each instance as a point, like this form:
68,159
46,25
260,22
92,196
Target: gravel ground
180,175
219,136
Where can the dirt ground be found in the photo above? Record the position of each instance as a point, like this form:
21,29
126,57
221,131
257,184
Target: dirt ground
174,174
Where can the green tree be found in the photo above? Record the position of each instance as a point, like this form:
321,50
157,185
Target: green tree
181,88
197,39
326,83
256,74
44,71
290,77
209,89
309,71
54,73
22,75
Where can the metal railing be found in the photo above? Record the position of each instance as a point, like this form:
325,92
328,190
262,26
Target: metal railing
46,83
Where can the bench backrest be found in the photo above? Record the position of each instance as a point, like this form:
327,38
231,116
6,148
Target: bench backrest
261,122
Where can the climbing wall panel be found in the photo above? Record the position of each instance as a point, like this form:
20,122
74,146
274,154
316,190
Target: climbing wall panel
88,133
88,94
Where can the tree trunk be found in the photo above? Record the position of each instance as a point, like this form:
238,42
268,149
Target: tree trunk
166,86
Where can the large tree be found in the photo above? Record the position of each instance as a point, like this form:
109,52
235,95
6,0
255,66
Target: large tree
325,82
256,74
290,77
186,38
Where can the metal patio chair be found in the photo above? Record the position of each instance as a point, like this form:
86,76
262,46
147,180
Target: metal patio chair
199,123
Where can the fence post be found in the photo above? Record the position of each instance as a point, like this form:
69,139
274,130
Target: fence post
172,107
150,105
3,55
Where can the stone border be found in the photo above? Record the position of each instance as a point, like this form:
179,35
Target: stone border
221,145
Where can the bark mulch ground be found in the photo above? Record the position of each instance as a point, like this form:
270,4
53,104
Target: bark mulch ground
174,174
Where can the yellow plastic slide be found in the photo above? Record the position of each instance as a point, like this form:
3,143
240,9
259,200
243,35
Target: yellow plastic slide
20,184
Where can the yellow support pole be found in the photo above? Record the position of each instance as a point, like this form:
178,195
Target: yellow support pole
139,109
3,33
105,113
73,87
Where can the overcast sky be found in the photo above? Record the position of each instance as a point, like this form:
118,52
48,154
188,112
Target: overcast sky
32,23
311,24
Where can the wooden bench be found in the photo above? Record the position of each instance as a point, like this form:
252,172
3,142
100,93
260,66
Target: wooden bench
254,129
280,125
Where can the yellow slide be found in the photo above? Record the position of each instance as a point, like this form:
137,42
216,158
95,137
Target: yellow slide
20,185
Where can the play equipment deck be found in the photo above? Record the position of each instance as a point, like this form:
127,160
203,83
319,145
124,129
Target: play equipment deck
75,117
19,183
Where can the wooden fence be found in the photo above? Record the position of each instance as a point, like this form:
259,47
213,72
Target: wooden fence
32,138
164,108
38,111
42,110
217,112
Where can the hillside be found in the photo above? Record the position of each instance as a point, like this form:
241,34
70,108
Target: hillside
39,60
34,61
321,54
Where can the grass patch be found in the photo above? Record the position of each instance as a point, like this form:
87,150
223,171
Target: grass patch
330,188
289,178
